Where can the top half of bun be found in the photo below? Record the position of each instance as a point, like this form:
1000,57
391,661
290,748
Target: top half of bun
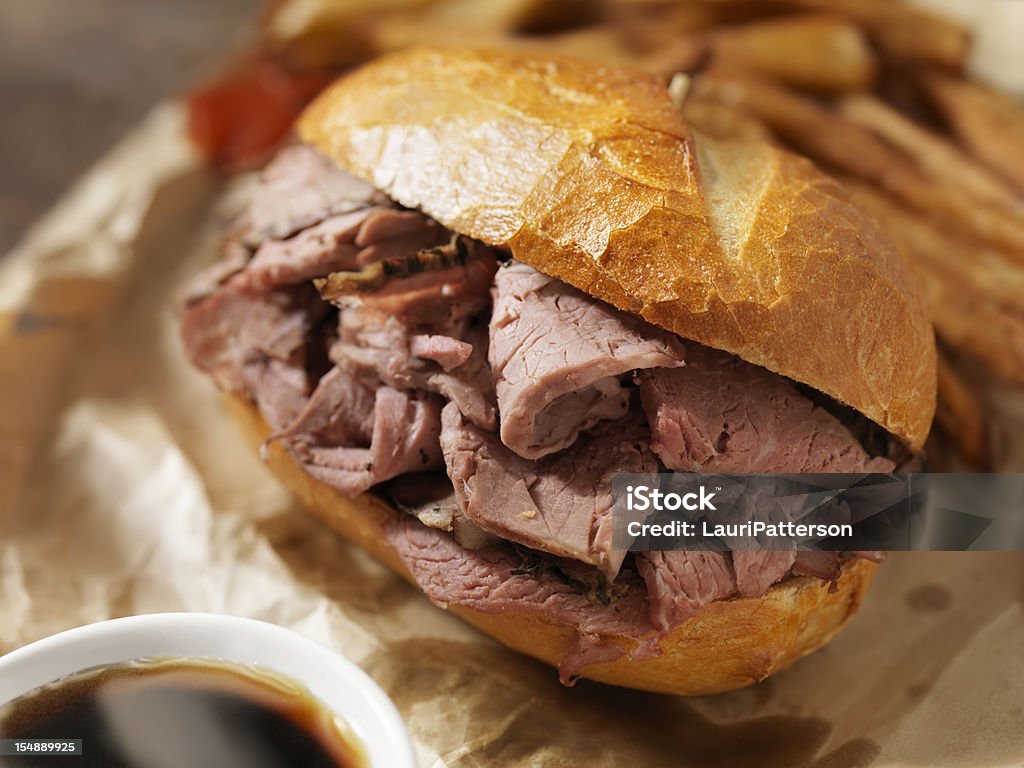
589,174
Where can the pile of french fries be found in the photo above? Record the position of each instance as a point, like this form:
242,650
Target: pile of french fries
874,91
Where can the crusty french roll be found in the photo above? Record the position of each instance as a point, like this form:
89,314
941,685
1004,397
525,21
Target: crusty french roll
589,174
728,644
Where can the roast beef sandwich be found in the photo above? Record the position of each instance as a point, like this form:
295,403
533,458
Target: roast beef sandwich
481,283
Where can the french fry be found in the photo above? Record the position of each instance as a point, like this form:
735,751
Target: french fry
995,225
525,16
937,158
975,294
603,43
968,322
811,128
320,34
675,17
394,33
961,417
665,38
340,33
831,139
815,51
901,30
989,123
683,54
295,19
720,121
978,267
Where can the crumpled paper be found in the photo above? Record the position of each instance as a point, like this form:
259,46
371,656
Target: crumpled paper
125,489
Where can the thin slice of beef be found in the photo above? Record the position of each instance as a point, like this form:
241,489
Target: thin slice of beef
720,414
822,565
413,330
681,583
314,252
233,260
828,565
307,219
233,326
339,412
557,355
875,556
393,233
447,352
342,242
341,444
561,504
429,497
279,389
299,188
756,571
255,343
497,579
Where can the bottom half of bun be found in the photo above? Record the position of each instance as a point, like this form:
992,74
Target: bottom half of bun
727,644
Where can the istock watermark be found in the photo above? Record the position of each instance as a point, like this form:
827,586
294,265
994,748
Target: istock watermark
642,498
853,512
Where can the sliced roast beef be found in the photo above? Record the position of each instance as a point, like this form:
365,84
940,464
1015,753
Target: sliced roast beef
415,322
404,438
822,565
299,188
233,327
429,497
252,344
681,583
339,412
342,242
875,556
497,579
412,331
447,352
720,414
279,389
755,571
561,504
557,355
235,257
307,219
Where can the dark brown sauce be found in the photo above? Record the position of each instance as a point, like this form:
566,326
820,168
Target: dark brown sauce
190,713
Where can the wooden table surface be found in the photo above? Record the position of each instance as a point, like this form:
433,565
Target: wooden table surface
76,74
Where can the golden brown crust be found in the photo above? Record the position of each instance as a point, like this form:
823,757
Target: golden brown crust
589,174
726,645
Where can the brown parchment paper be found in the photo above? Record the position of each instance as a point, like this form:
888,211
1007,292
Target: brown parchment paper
125,489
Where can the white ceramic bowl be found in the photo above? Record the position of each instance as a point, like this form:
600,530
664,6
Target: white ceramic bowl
338,683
